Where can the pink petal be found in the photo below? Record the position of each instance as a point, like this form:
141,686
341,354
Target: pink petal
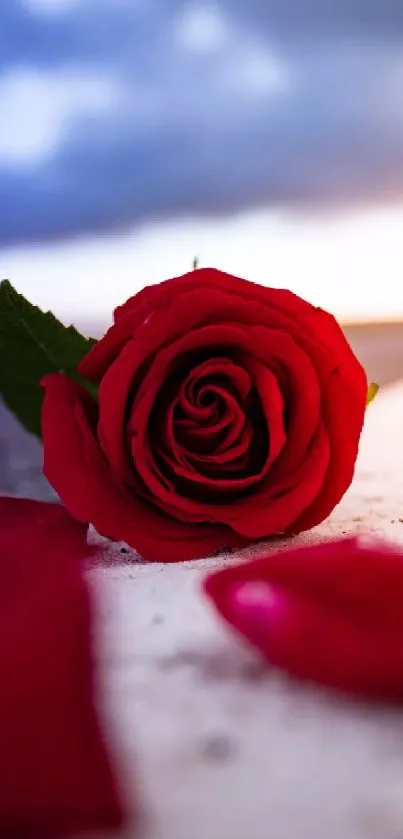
329,613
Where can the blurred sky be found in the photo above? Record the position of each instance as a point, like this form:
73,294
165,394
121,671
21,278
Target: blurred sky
264,136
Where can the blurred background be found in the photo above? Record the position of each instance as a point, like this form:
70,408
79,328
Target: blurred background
263,136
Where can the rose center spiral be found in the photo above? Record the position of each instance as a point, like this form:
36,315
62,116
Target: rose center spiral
208,423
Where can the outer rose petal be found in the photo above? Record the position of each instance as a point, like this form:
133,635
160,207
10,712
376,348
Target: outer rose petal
330,613
343,410
78,470
55,777
286,310
97,361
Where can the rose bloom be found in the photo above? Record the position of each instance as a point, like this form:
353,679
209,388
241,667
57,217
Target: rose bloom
227,412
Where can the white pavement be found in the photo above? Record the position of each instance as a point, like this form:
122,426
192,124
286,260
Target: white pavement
210,741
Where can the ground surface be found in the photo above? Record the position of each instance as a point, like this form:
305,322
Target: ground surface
213,743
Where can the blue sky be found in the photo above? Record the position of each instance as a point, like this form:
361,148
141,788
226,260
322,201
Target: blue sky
114,112
265,136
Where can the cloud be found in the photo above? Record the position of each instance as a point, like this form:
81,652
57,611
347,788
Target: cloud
201,28
37,110
114,112
50,7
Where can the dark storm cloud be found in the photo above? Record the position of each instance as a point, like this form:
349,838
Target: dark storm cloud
183,137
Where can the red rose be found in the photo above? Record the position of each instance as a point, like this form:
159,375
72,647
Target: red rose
228,412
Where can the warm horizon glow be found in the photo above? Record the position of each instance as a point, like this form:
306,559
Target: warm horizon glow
351,265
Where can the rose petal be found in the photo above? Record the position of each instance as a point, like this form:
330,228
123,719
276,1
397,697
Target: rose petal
329,613
343,418
224,367
55,776
103,353
273,406
19,515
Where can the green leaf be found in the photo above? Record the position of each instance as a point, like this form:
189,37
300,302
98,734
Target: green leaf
32,344
195,263
372,391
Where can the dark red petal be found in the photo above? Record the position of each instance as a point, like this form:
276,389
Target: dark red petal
343,415
55,777
268,512
217,435
329,613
